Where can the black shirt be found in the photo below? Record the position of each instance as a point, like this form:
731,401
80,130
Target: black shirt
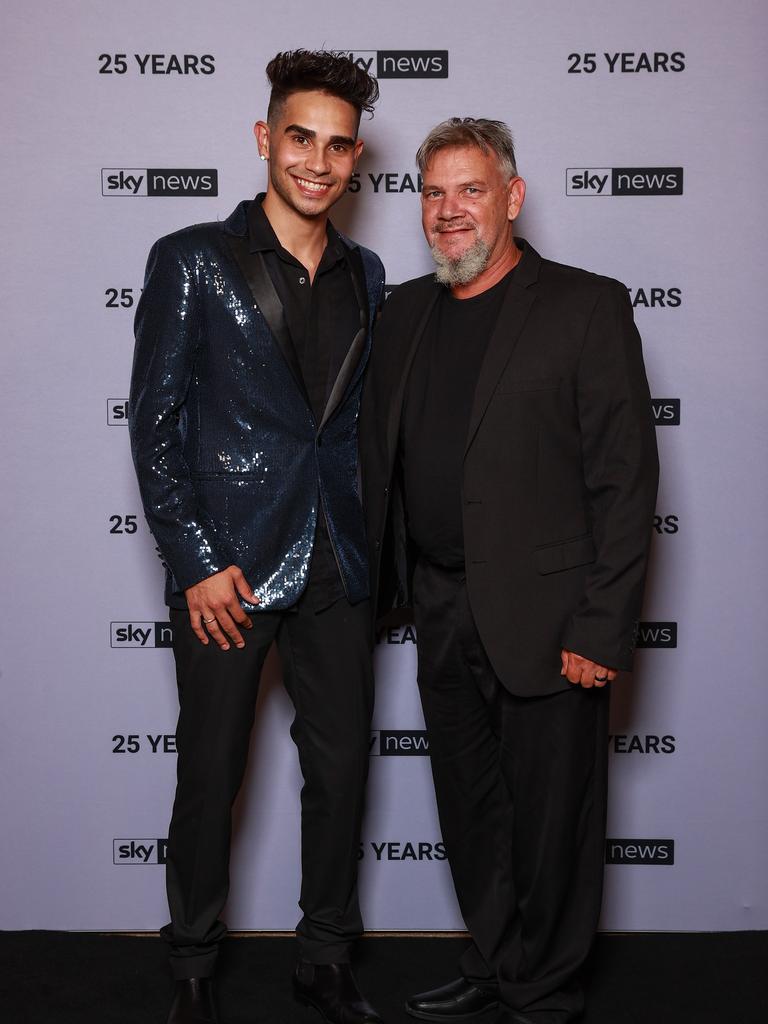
323,317
435,420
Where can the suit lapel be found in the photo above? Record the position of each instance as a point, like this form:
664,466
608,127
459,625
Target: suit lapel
254,270
352,361
514,311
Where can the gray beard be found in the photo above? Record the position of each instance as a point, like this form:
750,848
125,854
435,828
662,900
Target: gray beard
465,268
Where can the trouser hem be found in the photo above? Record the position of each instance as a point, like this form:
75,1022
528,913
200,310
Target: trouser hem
185,967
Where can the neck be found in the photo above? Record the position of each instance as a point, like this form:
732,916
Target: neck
303,237
497,268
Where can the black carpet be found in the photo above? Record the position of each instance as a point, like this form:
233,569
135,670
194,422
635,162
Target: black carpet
63,978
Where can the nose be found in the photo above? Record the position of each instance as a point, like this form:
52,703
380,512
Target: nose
449,208
317,162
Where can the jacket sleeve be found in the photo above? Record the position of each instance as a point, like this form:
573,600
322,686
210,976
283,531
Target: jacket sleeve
167,329
620,466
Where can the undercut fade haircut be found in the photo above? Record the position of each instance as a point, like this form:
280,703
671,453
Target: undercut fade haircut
324,70
488,136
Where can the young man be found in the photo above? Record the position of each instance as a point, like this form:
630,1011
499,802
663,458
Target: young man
510,470
251,339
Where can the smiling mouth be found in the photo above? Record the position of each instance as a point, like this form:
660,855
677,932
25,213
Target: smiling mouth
318,187
453,230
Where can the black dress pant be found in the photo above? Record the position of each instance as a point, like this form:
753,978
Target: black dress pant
327,672
521,794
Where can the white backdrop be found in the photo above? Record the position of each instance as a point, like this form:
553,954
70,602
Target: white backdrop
88,695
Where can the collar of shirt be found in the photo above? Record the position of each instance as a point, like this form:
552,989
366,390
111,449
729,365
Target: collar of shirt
263,238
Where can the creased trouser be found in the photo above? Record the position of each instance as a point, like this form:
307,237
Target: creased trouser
521,793
327,672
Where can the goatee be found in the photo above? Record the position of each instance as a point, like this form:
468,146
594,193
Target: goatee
461,269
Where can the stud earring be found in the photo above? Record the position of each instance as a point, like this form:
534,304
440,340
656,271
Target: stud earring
262,157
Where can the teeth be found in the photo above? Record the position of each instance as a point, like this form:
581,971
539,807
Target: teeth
314,186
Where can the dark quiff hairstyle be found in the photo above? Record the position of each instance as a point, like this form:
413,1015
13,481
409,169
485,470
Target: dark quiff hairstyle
324,70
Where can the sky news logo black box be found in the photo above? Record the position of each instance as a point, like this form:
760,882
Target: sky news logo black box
640,851
412,64
647,181
656,634
159,181
136,635
401,63
139,851
400,743
666,412
624,181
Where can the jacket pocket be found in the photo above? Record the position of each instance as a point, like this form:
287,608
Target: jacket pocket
566,554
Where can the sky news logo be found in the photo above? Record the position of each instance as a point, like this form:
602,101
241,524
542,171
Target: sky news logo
399,742
401,63
624,181
139,851
117,412
656,634
666,412
640,851
140,635
159,181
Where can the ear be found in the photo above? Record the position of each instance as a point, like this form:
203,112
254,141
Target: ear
261,131
359,147
515,197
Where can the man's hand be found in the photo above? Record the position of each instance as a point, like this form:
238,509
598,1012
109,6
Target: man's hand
583,671
213,605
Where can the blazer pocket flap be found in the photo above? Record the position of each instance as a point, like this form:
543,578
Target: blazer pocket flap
569,554
510,384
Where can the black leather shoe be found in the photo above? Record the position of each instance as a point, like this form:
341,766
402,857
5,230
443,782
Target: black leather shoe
332,990
193,1002
459,1000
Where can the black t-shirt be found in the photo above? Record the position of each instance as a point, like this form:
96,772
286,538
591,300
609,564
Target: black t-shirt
435,420
322,317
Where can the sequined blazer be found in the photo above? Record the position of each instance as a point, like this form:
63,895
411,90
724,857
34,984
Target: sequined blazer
230,460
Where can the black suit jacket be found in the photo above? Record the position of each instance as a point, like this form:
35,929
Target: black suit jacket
559,476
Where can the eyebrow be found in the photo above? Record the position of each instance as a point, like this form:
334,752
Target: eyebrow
311,134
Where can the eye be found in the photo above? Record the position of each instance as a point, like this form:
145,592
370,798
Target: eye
471,190
339,147
300,139
433,193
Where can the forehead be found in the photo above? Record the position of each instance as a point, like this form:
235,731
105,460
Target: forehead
319,111
456,164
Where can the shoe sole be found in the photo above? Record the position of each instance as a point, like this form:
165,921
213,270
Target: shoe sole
448,1018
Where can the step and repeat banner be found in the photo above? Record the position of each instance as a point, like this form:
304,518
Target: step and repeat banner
641,134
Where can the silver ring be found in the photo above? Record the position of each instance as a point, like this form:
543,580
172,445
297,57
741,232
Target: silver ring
212,619
601,679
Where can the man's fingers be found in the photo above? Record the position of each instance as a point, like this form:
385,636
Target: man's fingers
241,617
196,622
215,630
227,623
600,675
573,675
244,589
563,662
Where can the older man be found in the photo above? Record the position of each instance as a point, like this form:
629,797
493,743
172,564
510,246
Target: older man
510,474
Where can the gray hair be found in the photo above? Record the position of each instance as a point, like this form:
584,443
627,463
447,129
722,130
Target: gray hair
487,136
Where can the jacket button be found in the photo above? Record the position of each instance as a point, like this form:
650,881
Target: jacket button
377,544
386,490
